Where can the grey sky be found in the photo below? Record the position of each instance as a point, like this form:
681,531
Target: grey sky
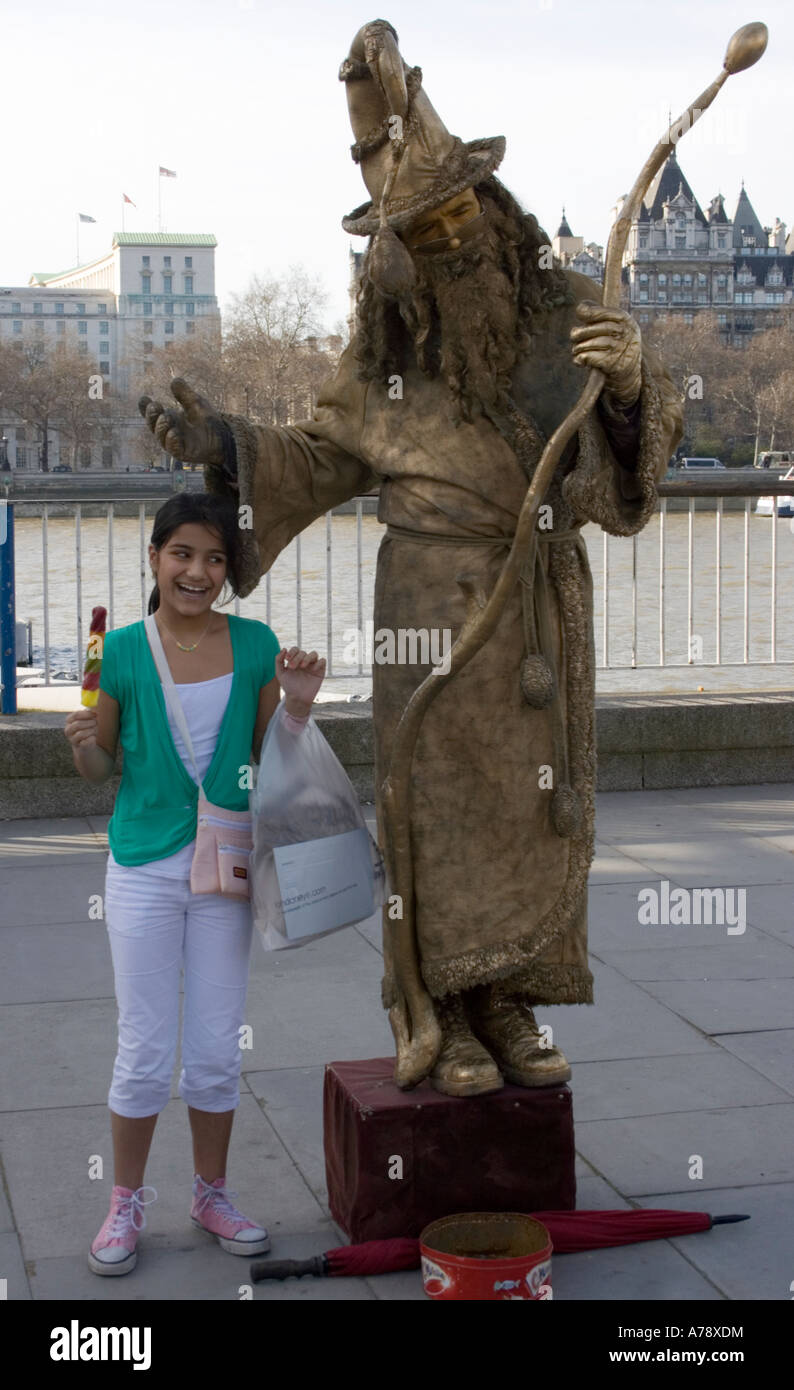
241,98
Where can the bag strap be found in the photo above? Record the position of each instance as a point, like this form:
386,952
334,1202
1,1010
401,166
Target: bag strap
170,691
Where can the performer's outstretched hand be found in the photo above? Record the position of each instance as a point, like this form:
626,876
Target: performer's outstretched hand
610,340
193,434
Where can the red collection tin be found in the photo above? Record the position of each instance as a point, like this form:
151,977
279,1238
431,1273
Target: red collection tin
486,1257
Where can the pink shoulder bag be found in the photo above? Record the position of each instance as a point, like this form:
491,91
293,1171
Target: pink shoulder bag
224,839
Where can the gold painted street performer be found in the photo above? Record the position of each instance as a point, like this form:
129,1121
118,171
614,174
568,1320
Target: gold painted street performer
469,352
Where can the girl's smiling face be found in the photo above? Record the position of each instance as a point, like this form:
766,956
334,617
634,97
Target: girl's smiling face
190,568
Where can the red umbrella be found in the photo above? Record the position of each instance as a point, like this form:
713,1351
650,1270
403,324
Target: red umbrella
569,1230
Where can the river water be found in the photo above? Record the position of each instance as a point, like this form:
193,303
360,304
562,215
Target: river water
677,675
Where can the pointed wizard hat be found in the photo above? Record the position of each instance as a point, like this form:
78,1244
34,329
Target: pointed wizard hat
409,161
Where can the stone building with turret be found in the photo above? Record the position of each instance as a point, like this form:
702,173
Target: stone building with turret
683,261
572,252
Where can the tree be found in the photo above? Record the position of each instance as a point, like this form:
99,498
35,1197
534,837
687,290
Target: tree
273,347
79,415
200,358
728,392
758,389
40,385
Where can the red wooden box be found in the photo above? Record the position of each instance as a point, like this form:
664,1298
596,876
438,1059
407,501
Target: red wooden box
396,1160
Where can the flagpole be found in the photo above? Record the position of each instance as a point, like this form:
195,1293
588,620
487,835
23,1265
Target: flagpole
78,238
159,201
122,211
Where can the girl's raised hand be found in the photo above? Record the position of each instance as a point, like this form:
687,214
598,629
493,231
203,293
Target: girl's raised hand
300,675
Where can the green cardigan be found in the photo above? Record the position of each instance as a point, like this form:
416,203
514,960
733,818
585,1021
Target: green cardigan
156,803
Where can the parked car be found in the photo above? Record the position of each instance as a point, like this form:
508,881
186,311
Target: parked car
692,463
785,505
155,468
62,468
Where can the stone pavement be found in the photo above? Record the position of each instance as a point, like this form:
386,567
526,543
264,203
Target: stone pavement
688,1051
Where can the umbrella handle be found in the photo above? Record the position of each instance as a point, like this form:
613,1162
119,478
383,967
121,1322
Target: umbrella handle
287,1269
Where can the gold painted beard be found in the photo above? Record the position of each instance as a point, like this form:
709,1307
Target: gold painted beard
462,315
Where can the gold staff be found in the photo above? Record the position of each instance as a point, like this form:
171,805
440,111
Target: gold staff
412,1015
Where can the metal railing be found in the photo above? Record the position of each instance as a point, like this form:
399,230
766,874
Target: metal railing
719,486
294,585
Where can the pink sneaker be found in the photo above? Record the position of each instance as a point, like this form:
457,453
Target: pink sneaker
113,1250
212,1211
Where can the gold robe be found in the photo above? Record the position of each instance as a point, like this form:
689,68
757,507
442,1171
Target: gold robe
499,892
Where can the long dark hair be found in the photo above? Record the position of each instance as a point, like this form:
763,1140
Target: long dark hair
208,509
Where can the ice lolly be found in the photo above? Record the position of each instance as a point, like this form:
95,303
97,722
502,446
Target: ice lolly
93,657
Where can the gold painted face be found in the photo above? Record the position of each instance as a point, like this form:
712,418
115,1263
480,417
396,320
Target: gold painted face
443,221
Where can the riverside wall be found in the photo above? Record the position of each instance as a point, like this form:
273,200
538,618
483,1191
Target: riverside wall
644,742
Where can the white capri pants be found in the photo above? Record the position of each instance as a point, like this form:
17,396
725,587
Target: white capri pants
155,924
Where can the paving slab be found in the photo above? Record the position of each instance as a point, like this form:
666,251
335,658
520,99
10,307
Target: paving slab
78,963
48,841
748,1260
728,1006
372,931
62,1053
406,1286
12,1268
617,865
614,925
752,956
317,1003
99,825
651,1270
171,1270
711,1080
733,810
781,838
292,1100
53,893
744,797
6,1215
770,1053
60,1213
623,1022
712,860
770,908
628,806
594,1193
643,1155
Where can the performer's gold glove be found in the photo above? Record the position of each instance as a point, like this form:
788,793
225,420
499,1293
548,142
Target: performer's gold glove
610,340
194,434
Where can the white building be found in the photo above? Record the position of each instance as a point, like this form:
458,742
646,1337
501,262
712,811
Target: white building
149,290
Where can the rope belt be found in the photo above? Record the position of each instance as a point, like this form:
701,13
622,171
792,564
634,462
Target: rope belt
435,537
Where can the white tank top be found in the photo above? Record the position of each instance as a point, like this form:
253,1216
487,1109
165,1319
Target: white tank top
204,704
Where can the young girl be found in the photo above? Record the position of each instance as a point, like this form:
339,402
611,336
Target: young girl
228,671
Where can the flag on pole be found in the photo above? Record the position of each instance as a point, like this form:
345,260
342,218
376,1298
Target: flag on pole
84,218
129,200
167,173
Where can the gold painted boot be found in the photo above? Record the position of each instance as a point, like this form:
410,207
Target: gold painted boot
463,1067
505,1024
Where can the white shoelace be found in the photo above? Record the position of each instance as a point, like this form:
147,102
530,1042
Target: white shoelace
128,1209
222,1203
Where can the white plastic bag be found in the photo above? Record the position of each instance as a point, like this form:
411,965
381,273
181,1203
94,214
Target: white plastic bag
315,867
